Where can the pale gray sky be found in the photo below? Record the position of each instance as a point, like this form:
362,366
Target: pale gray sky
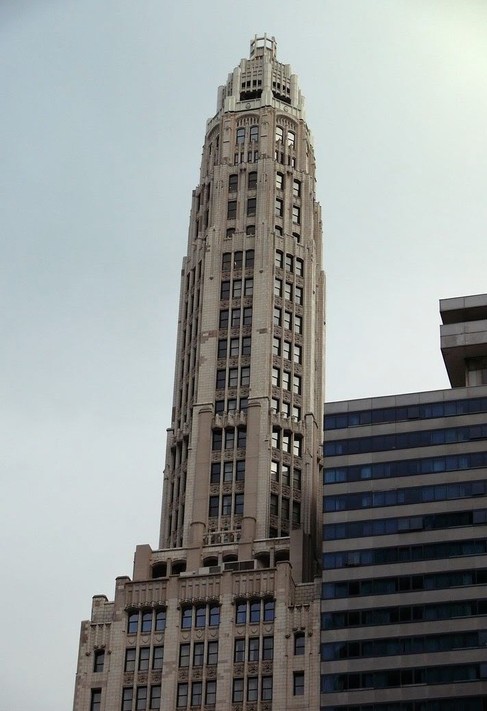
102,120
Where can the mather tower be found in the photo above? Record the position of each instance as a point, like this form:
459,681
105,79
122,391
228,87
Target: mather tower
225,615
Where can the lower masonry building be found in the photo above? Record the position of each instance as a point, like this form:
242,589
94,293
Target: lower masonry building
404,609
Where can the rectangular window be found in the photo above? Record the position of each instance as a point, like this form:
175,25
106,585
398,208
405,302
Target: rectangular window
254,648
226,505
234,347
286,380
214,616
238,691
158,657
210,693
233,377
247,316
287,320
99,660
146,621
223,320
297,446
279,133
279,259
251,206
276,346
133,623
182,698
235,318
198,653
227,471
232,210
279,181
297,384
249,258
213,507
288,290
279,211
215,473
232,183
245,376
187,612
276,377
267,648
291,139
298,683
200,616
216,440
299,267
297,478
298,295
274,505
240,137
222,348
241,613
296,188
250,230
238,260
277,287
240,468
130,660
286,474
226,261
296,215
212,653
246,343
289,262
239,651
298,324
144,654
286,349
297,354
127,697
252,180
141,698
277,316
266,692
236,288
95,704
155,697
299,643
252,688
241,438
269,610
254,133
249,287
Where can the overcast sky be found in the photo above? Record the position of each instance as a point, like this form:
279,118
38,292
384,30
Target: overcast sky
102,120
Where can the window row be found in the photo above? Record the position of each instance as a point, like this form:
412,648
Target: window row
404,583
285,380
232,404
253,649
226,505
198,656
194,694
146,621
234,318
289,262
279,157
241,134
199,616
233,181
389,678
287,441
384,527
288,137
392,646
279,211
227,471
406,440
289,351
250,210
286,474
449,408
404,554
280,184
252,157
144,658
248,688
284,408
234,347
400,497
406,467
237,288
288,320
403,613
229,438
288,291
233,377
145,697
280,232
284,511
238,260
251,611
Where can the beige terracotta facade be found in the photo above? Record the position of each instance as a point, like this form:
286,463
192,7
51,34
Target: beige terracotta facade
226,613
